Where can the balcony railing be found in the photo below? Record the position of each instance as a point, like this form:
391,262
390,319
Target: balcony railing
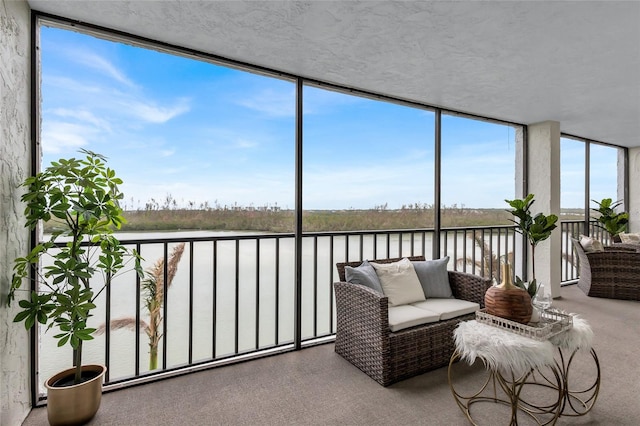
233,296
569,261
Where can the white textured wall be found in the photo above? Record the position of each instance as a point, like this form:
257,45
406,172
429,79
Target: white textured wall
634,189
14,167
544,182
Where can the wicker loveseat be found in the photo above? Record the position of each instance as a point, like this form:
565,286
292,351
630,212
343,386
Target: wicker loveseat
613,274
364,338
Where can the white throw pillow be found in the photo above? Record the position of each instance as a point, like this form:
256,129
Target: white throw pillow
590,244
399,282
630,238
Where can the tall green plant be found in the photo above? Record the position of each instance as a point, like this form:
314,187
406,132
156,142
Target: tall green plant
82,196
534,228
610,220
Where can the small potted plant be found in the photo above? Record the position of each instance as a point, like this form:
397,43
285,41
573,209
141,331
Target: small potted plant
535,229
611,221
79,197
514,301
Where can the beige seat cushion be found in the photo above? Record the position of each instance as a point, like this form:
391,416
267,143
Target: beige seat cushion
447,308
405,316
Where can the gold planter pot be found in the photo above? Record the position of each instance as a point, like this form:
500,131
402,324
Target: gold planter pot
75,404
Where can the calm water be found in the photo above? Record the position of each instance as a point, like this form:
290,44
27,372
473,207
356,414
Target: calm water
257,292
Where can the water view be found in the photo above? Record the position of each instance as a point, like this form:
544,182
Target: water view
260,269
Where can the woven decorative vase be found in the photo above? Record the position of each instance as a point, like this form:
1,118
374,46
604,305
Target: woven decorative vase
508,300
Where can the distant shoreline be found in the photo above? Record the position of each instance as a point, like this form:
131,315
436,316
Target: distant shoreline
283,221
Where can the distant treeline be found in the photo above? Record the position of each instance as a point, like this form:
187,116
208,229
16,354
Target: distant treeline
168,215
312,221
276,220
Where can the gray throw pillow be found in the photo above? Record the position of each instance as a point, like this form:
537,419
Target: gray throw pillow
434,277
364,275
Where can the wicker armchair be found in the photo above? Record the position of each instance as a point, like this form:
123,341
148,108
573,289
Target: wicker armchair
363,336
614,274
623,246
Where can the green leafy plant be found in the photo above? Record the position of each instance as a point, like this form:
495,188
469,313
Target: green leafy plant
610,220
81,196
535,229
531,287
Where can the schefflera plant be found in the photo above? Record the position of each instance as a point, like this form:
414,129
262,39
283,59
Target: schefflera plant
79,197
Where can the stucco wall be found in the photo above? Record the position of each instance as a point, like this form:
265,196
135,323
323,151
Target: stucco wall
14,167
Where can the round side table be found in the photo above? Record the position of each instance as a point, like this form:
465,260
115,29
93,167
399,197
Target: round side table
532,377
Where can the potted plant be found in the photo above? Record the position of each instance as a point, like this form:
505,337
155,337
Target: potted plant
79,197
534,229
609,220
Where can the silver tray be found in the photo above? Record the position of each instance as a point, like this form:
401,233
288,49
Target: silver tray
552,322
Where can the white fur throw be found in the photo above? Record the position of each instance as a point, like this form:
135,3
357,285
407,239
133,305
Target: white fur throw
503,350
500,349
580,336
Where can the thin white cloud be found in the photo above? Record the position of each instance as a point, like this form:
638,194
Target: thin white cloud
69,84
271,102
167,152
62,136
116,102
245,144
102,65
173,170
82,116
152,113
469,150
322,101
367,185
420,153
478,173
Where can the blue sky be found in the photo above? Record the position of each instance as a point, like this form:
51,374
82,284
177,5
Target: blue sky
201,132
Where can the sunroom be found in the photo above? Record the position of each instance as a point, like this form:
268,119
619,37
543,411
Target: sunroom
355,130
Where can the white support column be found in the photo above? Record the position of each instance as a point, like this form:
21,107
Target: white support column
544,183
634,190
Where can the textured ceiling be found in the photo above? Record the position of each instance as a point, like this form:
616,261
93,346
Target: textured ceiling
573,62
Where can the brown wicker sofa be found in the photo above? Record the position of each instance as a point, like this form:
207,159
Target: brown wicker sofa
363,336
613,274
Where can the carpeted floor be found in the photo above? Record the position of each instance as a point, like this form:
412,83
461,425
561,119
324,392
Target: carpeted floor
315,386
